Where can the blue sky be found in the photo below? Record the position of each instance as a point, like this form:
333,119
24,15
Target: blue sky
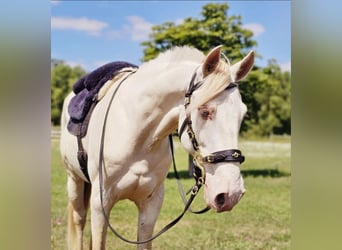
91,33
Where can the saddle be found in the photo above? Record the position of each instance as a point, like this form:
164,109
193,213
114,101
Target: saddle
86,97
86,91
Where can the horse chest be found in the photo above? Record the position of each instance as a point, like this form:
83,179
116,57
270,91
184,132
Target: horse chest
140,181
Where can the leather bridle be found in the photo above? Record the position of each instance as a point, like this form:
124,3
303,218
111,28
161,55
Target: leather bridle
229,155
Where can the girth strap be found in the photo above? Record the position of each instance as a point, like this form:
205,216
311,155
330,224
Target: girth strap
82,158
80,130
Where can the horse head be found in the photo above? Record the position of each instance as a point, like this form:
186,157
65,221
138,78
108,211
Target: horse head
209,127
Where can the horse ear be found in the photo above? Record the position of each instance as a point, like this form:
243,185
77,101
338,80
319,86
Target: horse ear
240,69
211,61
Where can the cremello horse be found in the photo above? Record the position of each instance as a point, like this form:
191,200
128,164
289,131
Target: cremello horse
148,106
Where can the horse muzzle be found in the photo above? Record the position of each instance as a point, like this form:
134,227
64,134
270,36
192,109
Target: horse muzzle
223,202
223,194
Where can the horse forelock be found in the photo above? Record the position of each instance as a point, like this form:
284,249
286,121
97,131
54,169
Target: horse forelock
216,82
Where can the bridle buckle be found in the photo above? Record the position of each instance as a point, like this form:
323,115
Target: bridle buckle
187,101
198,159
236,155
191,134
209,158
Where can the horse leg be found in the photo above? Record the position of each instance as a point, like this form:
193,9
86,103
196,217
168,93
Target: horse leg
98,221
78,194
148,213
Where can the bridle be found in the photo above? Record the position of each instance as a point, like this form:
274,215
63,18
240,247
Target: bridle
229,155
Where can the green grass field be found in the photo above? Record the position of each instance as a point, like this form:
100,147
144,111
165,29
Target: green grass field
260,221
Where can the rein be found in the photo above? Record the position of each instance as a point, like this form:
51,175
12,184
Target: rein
196,174
194,190
230,155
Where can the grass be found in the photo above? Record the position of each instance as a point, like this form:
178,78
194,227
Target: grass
260,221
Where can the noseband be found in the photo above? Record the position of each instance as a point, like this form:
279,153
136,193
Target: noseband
229,155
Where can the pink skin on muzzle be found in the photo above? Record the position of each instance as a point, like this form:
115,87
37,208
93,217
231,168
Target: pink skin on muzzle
223,188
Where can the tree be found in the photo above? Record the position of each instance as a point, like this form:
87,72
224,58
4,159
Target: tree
214,28
269,102
276,100
62,79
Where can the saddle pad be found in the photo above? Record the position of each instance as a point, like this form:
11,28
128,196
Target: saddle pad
86,90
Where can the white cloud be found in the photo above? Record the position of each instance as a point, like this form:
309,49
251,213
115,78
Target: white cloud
285,66
256,28
90,26
137,29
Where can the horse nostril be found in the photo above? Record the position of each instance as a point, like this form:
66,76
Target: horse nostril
220,199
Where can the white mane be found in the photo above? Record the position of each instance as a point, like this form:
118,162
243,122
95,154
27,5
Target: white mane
214,84
175,55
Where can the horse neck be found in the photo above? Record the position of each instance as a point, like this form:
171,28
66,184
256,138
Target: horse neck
168,85
161,96
172,80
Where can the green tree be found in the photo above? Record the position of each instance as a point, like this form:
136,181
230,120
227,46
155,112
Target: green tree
269,101
214,28
62,79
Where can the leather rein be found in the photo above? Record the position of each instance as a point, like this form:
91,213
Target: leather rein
194,190
231,155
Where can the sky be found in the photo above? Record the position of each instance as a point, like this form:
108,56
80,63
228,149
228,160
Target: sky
92,33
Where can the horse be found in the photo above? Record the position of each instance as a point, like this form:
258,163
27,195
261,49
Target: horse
180,89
